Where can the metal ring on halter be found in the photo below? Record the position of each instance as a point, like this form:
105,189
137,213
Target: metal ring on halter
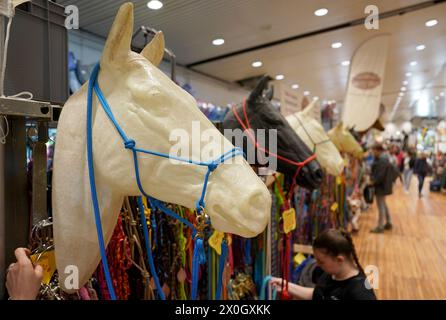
201,225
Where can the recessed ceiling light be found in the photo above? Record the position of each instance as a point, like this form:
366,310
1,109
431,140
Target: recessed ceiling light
403,89
413,63
442,94
345,63
408,74
405,82
316,98
257,64
401,94
336,45
306,93
295,86
218,42
155,4
280,77
437,98
420,47
321,12
431,23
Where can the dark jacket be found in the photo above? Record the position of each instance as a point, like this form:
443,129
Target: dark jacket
382,176
421,167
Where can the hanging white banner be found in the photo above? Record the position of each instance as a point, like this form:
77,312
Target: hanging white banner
365,84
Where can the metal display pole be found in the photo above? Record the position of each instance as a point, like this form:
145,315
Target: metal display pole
2,183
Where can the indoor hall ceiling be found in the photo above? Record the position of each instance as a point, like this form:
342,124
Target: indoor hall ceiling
191,25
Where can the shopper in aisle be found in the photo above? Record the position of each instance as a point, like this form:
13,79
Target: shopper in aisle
23,279
421,169
383,176
409,162
343,277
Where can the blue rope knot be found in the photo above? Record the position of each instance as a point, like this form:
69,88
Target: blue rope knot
212,166
129,144
199,206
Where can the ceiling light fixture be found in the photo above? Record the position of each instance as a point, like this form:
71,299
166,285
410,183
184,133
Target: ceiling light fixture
218,42
405,83
257,64
437,98
420,47
306,93
408,74
154,4
345,63
321,12
403,89
295,86
280,77
413,63
431,23
442,94
336,45
401,94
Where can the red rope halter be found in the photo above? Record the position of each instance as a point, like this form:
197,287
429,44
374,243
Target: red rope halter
247,128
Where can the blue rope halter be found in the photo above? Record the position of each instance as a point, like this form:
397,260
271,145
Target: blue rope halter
199,256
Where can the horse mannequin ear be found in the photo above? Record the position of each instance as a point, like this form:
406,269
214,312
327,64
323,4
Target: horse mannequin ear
119,39
154,50
310,109
261,85
269,93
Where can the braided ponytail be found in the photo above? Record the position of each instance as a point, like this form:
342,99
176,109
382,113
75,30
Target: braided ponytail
347,236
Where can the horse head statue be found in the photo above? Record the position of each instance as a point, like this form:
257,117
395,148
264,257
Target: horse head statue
148,106
311,132
259,112
345,141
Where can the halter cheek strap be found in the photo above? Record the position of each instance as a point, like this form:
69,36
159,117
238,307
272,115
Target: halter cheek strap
199,257
315,144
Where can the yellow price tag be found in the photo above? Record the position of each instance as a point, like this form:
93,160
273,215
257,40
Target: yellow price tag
289,220
334,206
338,180
48,263
299,258
215,241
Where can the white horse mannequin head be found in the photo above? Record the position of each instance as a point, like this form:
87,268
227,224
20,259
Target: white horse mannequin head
313,135
345,141
147,106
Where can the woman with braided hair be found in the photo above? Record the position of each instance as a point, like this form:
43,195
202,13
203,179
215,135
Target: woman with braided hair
343,277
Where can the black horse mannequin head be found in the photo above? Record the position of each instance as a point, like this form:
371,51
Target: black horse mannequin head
262,115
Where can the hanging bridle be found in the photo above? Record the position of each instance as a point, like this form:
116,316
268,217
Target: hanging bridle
199,256
247,128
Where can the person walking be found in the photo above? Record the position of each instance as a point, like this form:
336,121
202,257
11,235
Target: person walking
421,169
383,176
409,162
